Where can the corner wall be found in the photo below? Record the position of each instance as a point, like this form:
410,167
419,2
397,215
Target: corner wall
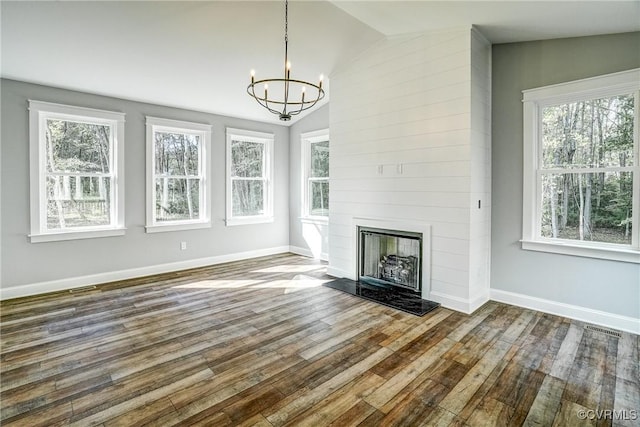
29,268
305,237
573,286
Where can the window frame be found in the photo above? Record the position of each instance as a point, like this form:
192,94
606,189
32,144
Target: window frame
156,124
306,140
39,113
534,100
267,139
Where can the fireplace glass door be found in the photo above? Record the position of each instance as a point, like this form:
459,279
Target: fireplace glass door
390,257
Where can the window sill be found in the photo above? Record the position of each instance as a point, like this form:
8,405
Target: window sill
75,235
316,220
248,220
176,226
613,253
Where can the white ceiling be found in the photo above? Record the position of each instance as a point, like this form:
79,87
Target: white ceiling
503,21
197,55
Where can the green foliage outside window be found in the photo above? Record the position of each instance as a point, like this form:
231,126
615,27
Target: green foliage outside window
177,176
319,179
248,180
587,149
78,181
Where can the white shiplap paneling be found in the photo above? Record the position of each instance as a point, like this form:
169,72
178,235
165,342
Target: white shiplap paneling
410,134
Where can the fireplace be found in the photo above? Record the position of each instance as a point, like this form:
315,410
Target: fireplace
390,258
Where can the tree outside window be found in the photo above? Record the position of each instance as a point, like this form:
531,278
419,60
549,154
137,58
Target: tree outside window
249,179
587,170
315,175
78,174
177,186
581,174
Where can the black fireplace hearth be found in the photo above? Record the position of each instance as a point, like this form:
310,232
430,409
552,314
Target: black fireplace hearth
390,296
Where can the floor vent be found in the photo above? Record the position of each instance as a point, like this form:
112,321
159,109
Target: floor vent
604,331
82,289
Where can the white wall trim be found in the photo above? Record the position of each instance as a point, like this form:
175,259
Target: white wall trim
615,321
463,305
340,273
93,279
307,252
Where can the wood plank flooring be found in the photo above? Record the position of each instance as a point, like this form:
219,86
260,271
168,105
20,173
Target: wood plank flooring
259,342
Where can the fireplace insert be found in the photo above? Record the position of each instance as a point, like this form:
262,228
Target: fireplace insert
390,258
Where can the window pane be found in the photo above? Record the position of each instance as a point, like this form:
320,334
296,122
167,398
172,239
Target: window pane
248,197
75,201
77,147
593,133
319,159
247,159
319,198
176,153
588,206
177,199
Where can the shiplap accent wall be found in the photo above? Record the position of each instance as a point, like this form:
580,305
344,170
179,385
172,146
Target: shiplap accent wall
410,141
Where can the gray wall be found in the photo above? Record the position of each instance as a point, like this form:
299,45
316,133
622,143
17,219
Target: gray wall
317,120
27,263
609,286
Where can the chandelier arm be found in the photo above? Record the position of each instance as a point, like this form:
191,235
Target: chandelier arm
320,96
260,100
305,108
303,103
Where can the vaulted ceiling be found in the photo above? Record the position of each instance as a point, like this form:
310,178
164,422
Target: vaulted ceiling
197,55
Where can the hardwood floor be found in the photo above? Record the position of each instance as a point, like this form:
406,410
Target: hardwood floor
259,342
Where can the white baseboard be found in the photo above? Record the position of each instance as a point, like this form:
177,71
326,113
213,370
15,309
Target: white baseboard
463,305
610,320
93,279
307,252
337,272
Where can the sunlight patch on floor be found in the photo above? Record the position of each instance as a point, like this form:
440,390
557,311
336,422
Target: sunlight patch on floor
297,283
290,269
218,284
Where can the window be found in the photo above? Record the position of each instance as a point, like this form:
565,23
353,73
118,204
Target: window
315,175
581,169
177,168
76,187
249,177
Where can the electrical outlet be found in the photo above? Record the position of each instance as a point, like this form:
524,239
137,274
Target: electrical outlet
183,246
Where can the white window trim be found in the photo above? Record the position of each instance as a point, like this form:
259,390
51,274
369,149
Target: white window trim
178,126
306,139
533,101
39,112
259,137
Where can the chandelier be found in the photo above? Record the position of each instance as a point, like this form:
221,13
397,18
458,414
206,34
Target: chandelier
282,104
